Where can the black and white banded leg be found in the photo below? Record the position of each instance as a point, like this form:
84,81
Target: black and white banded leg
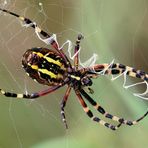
94,118
63,104
108,115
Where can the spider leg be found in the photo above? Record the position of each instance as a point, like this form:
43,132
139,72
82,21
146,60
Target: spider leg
32,95
94,118
116,68
63,104
108,115
31,24
76,51
49,38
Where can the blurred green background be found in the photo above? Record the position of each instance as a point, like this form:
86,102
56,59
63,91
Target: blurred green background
114,29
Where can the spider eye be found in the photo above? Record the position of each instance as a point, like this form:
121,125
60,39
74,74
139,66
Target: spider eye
86,81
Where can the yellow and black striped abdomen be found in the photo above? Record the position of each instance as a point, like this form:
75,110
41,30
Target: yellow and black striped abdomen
44,66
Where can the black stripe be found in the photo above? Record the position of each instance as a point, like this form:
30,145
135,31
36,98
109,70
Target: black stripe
107,125
127,72
121,120
9,12
134,70
89,113
115,71
138,75
56,57
122,66
29,70
123,70
56,69
44,34
96,119
101,110
8,94
109,116
48,78
28,21
129,123
142,73
113,127
113,65
91,101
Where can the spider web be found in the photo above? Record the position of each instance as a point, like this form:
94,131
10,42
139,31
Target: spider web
32,123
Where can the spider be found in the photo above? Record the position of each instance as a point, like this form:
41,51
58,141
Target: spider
53,68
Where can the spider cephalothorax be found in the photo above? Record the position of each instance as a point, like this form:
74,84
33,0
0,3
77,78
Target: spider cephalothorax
53,68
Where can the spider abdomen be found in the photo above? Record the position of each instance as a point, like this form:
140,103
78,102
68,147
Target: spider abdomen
44,66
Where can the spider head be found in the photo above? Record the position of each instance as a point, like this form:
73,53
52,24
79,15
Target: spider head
30,58
86,81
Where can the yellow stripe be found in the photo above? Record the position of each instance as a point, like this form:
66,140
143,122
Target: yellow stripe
21,18
39,54
19,95
38,29
75,77
45,71
57,62
2,92
34,67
